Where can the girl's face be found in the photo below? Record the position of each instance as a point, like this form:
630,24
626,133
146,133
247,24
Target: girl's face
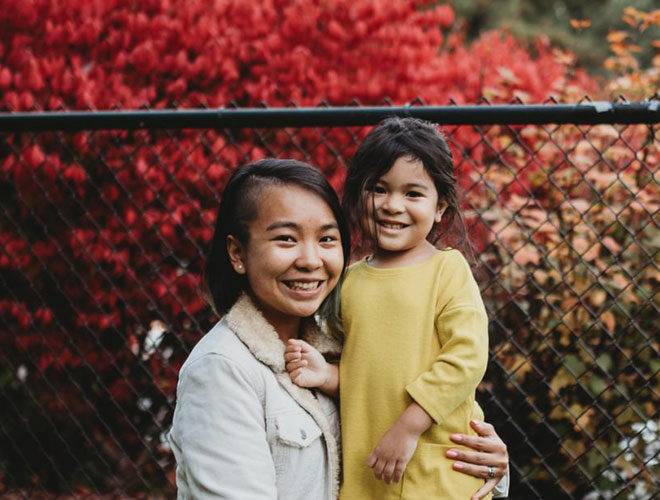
293,258
402,208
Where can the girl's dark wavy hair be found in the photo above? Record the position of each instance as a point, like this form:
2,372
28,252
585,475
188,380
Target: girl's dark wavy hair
391,139
240,206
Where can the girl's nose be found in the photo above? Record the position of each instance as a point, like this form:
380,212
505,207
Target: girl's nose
392,204
309,257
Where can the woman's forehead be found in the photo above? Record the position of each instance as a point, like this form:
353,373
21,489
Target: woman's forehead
290,203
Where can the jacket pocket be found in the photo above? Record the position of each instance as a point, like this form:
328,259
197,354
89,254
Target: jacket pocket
298,430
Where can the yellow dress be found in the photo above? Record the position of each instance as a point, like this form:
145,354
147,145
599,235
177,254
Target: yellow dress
412,333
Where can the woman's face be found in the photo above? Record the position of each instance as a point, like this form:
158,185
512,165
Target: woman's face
294,257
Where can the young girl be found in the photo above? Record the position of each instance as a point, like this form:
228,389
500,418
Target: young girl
415,328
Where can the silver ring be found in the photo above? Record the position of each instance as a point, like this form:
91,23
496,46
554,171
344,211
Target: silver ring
491,472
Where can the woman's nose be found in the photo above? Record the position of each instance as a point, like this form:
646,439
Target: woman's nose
309,257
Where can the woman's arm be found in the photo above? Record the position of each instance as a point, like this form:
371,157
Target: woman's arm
218,433
489,451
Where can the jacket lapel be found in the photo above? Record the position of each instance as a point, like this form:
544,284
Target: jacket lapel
249,325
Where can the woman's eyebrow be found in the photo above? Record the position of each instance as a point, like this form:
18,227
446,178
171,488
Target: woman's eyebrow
296,227
282,224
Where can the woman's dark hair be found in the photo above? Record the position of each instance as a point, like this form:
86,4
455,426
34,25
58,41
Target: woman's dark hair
391,139
240,206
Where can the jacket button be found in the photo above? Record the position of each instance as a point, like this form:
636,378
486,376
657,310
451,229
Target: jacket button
303,434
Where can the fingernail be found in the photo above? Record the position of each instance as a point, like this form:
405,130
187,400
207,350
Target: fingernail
456,437
458,465
476,422
452,454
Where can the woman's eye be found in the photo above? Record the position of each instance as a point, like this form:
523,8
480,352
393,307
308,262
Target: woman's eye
328,239
285,237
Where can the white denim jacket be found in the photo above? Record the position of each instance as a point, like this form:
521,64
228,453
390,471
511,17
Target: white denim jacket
242,429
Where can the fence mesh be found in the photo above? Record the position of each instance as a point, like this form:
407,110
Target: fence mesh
102,240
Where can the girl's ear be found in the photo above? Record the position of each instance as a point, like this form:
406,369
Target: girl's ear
235,252
442,206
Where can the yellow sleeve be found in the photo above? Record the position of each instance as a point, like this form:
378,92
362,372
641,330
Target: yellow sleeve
462,327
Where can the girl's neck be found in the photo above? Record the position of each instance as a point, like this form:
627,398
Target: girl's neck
387,259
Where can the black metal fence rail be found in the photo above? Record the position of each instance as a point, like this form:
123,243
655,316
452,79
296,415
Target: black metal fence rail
588,113
104,217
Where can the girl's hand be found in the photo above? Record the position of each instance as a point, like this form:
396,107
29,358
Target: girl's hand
490,454
392,453
306,366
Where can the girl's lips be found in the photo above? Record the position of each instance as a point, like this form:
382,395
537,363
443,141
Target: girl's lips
392,225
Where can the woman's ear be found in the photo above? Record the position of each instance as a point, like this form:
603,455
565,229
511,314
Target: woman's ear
442,206
235,252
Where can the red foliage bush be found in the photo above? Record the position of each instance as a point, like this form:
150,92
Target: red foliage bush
102,234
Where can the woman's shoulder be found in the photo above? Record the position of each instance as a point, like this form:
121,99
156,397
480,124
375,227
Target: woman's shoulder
219,345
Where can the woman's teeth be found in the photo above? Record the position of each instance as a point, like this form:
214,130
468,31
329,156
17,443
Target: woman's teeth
303,285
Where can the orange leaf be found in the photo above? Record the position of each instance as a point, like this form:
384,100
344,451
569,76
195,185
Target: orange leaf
616,36
580,23
608,320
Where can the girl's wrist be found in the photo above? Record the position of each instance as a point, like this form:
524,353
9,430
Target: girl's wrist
415,420
331,383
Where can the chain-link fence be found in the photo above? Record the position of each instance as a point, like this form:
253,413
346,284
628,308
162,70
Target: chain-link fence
102,239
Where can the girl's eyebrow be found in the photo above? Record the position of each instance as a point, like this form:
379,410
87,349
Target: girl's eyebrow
296,227
410,185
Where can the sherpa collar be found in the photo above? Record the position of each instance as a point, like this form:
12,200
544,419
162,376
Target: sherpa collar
249,325
260,337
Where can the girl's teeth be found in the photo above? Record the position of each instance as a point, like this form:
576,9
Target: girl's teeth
393,226
302,285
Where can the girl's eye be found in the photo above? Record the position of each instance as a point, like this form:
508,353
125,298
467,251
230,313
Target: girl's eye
415,194
379,190
285,237
328,239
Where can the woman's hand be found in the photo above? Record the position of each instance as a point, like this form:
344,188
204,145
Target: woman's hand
489,460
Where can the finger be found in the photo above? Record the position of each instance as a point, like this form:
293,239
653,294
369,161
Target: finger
478,443
304,346
471,457
371,460
398,471
477,470
388,471
291,356
294,365
379,467
296,375
483,428
485,489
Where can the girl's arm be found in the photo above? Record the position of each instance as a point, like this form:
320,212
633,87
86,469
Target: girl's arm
395,449
308,368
